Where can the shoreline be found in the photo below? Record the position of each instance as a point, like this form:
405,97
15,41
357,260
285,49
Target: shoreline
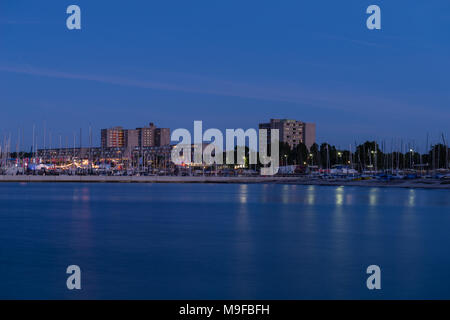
417,183
405,184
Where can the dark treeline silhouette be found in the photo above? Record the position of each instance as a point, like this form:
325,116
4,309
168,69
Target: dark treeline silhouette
366,156
21,155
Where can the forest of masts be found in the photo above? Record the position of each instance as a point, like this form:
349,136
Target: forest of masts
368,156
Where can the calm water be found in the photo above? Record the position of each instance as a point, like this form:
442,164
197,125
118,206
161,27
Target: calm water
197,241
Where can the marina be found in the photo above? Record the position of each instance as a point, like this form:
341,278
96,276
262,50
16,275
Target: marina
369,166
224,160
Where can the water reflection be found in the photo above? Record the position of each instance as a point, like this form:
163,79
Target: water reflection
243,193
265,193
340,253
259,241
285,194
311,195
242,216
81,194
411,198
373,196
81,234
349,199
339,193
243,247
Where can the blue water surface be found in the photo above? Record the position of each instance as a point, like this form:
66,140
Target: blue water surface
222,241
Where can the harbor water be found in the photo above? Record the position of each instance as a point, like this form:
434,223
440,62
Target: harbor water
222,241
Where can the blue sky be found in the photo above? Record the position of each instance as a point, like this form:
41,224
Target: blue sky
229,63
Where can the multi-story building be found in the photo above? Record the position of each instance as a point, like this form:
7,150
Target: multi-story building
292,132
131,138
149,136
152,136
162,137
113,137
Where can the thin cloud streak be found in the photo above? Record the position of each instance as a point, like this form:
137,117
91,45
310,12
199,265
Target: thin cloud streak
17,22
347,39
323,98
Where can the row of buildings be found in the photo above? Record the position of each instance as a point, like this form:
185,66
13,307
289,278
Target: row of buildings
148,136
292,132
150,142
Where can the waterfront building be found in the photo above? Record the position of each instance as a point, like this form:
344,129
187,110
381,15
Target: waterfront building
292,132
148,136
132,157
131,138
113,137
151,136
162,137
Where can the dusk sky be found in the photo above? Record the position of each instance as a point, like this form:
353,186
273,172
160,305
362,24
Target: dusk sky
231,64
